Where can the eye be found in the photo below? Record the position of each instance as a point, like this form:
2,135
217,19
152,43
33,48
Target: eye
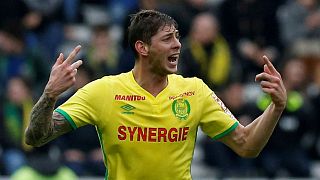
177,35
167,38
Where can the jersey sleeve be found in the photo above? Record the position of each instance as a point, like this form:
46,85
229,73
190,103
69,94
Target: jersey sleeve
84,106
216,120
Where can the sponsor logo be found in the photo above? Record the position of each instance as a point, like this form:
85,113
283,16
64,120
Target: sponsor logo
181,108
185,94
118,97
152,134
128,109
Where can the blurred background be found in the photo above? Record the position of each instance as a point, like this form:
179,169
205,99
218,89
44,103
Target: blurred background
223,42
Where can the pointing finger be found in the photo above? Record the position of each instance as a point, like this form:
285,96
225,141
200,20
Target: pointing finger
72,55
270,66
266,69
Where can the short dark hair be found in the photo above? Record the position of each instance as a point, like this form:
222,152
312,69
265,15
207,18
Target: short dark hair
145,24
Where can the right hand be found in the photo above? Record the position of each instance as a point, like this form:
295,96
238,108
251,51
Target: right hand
63,74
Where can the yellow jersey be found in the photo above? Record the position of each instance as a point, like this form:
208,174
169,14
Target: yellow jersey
147,137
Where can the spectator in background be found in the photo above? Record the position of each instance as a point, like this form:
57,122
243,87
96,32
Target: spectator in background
286,148
221,157
206,53
251,28
82,153
102,53
19,160
313,92
299,19
300,31
15,110
17,59
119,9
184,11
29,173
44,25
44,164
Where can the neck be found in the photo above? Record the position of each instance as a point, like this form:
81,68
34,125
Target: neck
149,81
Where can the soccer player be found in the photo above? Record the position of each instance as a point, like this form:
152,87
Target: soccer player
147,119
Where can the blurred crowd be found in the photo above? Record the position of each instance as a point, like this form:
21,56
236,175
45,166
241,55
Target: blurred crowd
223,42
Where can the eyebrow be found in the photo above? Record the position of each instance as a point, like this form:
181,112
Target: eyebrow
170,33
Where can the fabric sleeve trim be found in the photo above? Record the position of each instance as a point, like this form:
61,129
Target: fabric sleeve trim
226,131
68,118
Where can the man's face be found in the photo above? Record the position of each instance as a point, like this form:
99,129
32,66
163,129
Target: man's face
164,51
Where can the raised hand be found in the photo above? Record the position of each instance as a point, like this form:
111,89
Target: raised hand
272,84
63,73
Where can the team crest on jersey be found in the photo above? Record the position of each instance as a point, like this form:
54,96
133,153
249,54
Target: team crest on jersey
181,108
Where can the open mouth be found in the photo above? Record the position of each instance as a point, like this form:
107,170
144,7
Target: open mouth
173,58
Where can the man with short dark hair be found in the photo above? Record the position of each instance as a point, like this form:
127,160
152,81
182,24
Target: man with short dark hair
147,119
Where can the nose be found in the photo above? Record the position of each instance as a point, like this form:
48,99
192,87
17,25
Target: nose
176,44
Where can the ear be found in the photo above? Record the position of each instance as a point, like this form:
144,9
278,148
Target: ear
142,48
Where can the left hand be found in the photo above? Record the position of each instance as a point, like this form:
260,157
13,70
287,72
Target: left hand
272,84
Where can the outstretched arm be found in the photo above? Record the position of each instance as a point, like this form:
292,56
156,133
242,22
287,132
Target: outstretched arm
45,124
250,140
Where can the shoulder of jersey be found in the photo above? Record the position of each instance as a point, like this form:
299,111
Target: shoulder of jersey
114,78
107,81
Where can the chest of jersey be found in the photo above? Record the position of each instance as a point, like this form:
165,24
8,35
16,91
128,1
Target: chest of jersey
145,129
138,117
